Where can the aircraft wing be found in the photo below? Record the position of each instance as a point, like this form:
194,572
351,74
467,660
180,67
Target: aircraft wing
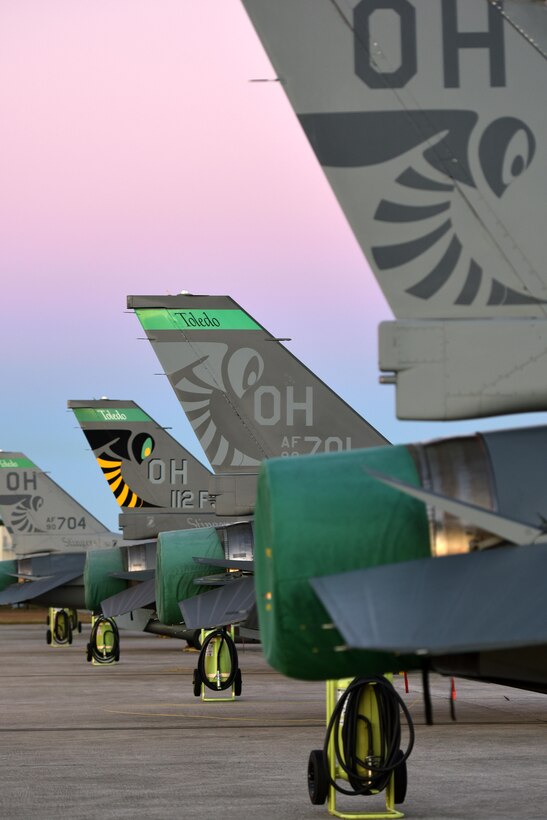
228,604
134,575
19,593
132,598
480,601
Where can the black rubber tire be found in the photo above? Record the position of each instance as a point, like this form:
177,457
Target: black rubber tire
318,782
400,781
117,654
89,653
80,627
238,683
48,637
195,640
196,681
69,639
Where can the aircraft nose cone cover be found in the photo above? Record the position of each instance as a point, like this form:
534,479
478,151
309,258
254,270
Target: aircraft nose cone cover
317,515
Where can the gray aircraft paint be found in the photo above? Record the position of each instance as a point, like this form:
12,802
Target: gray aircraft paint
41,516
427,118
148,471
247,397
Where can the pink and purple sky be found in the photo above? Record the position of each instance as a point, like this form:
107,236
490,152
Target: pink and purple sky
137,157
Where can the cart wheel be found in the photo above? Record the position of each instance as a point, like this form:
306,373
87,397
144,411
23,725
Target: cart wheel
89,653
318,782
196,680
48,637
238,684
80,627
117,654
399,781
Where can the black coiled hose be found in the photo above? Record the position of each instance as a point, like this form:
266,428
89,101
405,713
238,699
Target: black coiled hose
110,654
379,767
225,639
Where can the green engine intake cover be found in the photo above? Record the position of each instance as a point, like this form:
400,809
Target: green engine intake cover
97,580
176,570
6,567
321,515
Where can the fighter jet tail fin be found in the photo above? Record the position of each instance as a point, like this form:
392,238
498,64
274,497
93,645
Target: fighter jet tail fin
416,114
247,397
40,515
147,470
421,146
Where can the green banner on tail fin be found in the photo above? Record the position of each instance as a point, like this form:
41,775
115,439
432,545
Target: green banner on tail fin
195,319
111,415
17,464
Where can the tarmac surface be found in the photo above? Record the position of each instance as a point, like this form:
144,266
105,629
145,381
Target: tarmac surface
131,740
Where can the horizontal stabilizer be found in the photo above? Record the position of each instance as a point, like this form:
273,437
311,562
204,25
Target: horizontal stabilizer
134,575
219,580
516,532
19,593
135,597
138,620
479,601
24,576
229,604
226,563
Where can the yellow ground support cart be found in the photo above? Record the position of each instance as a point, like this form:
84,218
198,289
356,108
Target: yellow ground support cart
218,666
361,754
59,631
104,642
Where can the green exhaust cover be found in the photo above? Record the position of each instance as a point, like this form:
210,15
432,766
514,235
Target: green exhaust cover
97,581
5,568
321,515
176,569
